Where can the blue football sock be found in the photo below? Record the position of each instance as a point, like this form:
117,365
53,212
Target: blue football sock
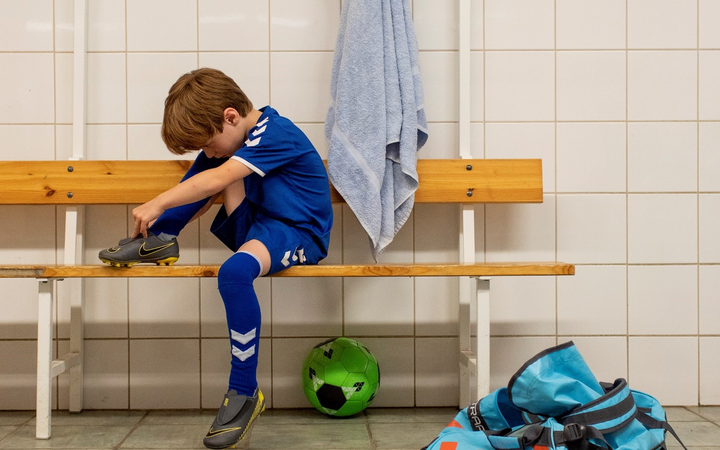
173,220
235,282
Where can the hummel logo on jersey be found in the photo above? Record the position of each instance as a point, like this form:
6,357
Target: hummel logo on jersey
259,131
263,122
142,251
252,143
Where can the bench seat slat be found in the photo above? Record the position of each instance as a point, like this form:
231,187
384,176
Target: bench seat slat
352,270
132,182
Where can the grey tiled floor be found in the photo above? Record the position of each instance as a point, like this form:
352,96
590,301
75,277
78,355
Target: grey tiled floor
375,429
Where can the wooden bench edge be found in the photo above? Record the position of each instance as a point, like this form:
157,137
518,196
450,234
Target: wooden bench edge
345,270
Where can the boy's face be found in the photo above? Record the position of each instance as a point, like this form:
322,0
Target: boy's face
229,140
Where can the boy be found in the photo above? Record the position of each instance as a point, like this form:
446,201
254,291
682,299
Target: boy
276,213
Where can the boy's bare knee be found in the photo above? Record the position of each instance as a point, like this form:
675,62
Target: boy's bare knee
258,249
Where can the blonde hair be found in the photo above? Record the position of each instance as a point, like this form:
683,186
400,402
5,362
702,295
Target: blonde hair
195,106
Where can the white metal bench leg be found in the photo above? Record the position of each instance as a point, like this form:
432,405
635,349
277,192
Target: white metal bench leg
474,366
74,227
44,359
483,337
76,344
467,358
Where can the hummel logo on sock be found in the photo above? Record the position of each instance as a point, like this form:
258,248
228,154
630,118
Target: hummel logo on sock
242,355
243,338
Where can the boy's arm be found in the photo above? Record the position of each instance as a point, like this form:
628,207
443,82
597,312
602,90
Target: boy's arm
204,208
203,185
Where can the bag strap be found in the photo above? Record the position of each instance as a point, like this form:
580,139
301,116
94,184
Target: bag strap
608,413
529,418
653,423
573,437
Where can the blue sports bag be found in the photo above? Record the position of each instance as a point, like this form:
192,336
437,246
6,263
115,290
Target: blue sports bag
555,402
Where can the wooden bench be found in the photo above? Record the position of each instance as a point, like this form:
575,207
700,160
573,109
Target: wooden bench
78,183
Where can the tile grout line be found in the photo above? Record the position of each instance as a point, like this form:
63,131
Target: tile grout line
18,427
627,196
199,237
555,87
697,181
373,445
272,333
127,436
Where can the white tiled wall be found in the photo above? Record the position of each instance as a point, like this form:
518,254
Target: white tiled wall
619,98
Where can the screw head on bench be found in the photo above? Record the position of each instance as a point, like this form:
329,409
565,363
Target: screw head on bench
69,195
470,192
70,168
468,167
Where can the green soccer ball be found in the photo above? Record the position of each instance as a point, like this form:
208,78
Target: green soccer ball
340,377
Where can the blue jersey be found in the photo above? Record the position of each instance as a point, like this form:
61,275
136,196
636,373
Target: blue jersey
290,182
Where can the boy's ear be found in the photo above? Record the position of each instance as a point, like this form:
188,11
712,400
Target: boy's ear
231,116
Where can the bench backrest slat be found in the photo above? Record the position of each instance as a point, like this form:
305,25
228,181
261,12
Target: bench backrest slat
127,182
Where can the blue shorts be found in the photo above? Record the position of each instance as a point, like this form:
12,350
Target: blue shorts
288,246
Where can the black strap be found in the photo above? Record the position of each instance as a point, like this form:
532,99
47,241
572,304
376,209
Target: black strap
529,418
603,415
653,423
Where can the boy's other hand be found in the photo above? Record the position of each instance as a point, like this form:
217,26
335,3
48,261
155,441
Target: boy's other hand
144,215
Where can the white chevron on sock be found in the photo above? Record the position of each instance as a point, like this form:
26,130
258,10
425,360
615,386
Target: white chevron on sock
242,355
243,338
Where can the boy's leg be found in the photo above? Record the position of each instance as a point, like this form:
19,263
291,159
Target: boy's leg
173,220
235,282
244,401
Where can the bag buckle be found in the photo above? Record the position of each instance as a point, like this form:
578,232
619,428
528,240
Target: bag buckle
574,432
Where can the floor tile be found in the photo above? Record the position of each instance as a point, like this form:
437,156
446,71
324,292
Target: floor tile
166,436
95,418
15,417
179,418
389,429
5,430
681,414
307,416
694,434
68,437
405,435
337,435
711,413
394,415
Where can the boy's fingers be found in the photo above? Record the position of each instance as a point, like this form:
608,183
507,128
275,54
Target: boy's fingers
139,229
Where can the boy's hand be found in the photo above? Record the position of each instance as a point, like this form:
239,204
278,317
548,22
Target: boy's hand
144,215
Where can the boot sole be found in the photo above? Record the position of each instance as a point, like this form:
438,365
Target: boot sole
161,262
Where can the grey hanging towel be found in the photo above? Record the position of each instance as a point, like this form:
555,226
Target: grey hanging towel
376,123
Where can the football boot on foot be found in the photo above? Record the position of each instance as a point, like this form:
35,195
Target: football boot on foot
235,419
151,249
